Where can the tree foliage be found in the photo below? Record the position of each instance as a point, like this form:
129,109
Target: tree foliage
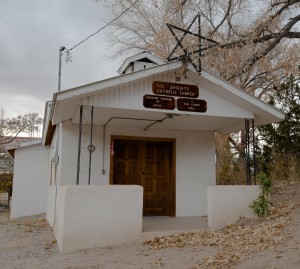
6,180
284,137
279,151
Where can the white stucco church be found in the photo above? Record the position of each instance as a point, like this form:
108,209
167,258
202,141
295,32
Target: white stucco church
138,144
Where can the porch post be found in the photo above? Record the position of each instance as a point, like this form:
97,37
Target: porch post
91,144
250,139
79,145
248,170
254,155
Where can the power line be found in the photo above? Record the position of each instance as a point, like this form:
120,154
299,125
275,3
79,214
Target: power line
104,26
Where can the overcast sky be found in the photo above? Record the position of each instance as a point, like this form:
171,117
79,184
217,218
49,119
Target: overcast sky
31,32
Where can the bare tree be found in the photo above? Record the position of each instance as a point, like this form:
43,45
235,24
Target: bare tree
257,41
255,47
10,128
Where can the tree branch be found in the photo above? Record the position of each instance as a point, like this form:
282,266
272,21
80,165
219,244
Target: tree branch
258,56
225,16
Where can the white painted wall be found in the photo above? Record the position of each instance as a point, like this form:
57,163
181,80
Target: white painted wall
93,216
68,156
65,144
54,172
226,204
195,162
195,171
30,182
51,205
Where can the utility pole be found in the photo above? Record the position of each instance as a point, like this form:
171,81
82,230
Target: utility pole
61,49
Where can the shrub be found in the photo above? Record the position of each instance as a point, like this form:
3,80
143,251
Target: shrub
260,206
6,180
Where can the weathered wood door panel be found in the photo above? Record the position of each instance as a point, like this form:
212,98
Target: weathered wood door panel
155,178
147,164
126,166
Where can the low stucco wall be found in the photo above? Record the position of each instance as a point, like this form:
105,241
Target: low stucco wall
226,204
94,216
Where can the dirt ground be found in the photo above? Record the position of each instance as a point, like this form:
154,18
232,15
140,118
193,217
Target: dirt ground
272,243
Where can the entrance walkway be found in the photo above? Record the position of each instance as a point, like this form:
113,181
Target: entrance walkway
160,226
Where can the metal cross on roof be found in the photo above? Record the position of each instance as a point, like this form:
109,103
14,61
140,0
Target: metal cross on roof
187,55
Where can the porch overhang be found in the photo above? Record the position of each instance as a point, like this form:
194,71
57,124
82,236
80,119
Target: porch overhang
165,119
159,120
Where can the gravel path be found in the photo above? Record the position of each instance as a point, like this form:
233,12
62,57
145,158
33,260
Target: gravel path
29,243
25,239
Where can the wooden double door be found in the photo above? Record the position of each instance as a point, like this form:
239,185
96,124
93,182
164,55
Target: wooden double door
149,164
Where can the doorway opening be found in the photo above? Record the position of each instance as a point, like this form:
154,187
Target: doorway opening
149,163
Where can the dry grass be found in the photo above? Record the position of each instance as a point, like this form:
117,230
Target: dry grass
285,168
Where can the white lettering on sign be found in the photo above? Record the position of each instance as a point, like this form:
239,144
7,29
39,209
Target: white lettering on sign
175,89
195,105
159,101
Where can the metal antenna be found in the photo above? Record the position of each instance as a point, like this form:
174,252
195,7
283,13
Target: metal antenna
200,45
61,49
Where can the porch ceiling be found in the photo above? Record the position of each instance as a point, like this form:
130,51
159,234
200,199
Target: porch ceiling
142,119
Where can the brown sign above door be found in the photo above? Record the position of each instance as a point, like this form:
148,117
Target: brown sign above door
159,102
192,105
175,89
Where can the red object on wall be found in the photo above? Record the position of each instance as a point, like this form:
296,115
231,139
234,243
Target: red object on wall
112,152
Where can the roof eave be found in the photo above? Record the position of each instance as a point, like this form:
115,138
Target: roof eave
141,55
245,97
24,144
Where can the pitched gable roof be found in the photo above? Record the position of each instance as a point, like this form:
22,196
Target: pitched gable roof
66,103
